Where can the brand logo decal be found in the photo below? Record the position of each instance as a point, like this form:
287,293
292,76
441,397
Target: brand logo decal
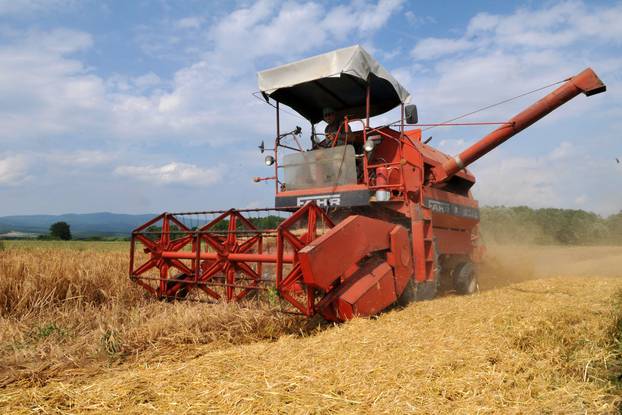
320,200
452,209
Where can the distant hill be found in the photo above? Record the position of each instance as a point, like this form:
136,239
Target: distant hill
87,224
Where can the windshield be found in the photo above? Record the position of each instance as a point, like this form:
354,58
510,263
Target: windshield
319,168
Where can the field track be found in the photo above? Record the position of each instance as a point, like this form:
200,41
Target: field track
539,338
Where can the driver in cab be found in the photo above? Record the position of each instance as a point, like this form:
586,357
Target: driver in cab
334,127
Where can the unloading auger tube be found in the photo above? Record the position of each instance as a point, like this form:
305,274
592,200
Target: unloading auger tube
586,82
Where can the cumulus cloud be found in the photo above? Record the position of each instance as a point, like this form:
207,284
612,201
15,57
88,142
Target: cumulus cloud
433,48
517,180
254,32
18,167
52,95
171,173
80,158
13,170
208,98
499,56
556,26
43,78
38,81
563,160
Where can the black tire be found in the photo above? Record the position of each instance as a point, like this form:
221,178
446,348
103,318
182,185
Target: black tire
465,279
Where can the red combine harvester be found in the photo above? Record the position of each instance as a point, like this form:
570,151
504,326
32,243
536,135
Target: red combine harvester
375,216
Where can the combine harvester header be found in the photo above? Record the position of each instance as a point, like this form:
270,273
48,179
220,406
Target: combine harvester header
375,216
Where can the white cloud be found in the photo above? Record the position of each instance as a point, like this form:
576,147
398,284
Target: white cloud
433,48
581,200
19,167
565,159
79,158
44,92
362,17
147,80
13,170
452,146
43,79
555,26
208,99
171,173
515,180
565,177
256,31
500,56
564,151
51,95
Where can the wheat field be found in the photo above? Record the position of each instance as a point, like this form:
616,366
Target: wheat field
542,336
70,307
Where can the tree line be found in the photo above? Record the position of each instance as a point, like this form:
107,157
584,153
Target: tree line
522,224
499,224
265,222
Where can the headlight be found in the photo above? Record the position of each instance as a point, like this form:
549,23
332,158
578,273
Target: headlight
372,142
269,160
369,145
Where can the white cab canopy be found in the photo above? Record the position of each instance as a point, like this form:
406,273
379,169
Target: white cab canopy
337,79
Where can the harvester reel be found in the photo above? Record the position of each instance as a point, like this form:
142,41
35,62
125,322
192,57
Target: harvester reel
226,258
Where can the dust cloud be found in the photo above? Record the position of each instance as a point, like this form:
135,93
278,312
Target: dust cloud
508,264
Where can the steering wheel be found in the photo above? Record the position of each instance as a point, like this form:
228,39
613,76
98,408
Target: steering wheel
326,142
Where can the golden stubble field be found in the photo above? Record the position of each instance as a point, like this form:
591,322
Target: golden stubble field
76,336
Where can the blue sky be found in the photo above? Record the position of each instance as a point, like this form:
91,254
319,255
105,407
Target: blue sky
147,106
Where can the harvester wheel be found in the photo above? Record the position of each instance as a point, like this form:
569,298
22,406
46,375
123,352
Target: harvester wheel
465,279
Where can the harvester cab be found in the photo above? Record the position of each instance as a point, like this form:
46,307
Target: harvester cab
341,170
370,216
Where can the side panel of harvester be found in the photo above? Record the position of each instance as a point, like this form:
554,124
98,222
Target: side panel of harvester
339,263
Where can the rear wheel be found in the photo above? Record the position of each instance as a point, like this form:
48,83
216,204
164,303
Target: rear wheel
465,278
